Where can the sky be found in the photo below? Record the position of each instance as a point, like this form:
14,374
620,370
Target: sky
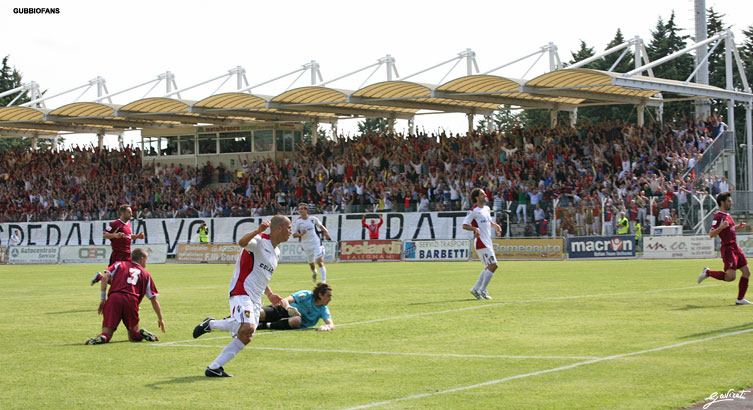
132,42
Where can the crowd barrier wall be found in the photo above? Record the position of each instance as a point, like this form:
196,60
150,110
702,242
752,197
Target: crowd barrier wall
437,250
173,232
678,247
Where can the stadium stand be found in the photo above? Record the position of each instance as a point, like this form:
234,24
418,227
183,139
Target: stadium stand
579,167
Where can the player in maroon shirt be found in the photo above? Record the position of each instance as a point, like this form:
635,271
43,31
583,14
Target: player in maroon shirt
119,234
373,227
129,283
724,226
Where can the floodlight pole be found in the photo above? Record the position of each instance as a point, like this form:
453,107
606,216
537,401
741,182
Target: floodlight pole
702,107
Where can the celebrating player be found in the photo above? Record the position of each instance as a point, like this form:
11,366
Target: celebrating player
119,234
724,226
304,230
480,222
303,308
129,283
254,267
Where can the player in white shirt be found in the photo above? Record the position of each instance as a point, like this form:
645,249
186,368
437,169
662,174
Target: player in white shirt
304,229
254,267
479,221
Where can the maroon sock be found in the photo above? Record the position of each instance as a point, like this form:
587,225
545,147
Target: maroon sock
742,287
135,336
107,338
716,274
99,277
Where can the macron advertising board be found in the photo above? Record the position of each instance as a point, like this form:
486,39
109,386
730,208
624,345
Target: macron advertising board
439,250
603,247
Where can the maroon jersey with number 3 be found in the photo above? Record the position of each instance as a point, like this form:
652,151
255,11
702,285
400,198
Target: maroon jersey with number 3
130,278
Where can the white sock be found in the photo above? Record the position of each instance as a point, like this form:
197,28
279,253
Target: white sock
313,271
228,325
487,279
228,353
480,281
323,272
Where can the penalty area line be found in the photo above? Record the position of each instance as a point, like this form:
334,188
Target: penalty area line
484,306
556,369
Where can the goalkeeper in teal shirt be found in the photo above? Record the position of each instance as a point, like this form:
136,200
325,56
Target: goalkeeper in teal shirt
301,309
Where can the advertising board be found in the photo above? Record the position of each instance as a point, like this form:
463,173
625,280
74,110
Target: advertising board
528,249
374,250
678,247
33,255
602,247
438,250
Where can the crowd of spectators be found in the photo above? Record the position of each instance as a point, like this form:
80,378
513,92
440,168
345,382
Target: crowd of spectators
592,169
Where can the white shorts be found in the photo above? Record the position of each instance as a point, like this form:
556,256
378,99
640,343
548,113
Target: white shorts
313,253
244,310
487,256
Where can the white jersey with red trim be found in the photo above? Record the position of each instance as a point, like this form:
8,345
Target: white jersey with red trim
481,218
310,239
254,268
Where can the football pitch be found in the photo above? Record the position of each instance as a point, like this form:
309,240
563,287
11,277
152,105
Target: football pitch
573,334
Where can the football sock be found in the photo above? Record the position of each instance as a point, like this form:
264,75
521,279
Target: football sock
313,272
227,325
716,274
280,325
480,282
134,335
323,272
228,353
487,279
742,287
262,326
107,338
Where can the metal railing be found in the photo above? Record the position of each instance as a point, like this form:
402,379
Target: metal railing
722,143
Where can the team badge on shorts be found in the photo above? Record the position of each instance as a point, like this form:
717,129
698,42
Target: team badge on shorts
247,313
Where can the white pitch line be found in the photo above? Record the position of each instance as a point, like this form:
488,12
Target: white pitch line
487,305
556,369
462,356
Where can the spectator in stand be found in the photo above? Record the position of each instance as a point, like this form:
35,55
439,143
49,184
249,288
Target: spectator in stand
372,227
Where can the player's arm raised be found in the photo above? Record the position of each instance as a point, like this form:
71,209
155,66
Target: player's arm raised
245,239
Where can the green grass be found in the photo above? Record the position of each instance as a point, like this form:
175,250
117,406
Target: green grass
404,330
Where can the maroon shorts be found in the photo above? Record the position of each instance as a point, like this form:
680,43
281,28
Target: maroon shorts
121,306
116,256
733,257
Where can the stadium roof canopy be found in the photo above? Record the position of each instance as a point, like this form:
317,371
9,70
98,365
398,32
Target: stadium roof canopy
562,89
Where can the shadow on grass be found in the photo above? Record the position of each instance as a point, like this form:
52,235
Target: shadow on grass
720,331
179,380
70,311
694,307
